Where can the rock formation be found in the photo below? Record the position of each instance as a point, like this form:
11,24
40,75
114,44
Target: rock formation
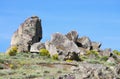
28,33
62,43
95,71
69,47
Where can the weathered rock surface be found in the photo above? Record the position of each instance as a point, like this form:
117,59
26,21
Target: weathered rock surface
72,35
96,46
95,71
61,42
84,42
37,46
28,33
51,48
62,45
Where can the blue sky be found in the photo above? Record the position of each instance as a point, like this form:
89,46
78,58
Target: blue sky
97,19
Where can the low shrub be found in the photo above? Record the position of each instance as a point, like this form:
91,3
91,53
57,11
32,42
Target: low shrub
92,52
12,66
12,51
69,60
44,52
55,57
116,52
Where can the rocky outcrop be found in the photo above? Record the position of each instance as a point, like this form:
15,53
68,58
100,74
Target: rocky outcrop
92,71
95,63
28,33
61,43
95,71
69,46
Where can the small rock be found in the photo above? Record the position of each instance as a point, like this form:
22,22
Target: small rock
37,46
106,52
111,59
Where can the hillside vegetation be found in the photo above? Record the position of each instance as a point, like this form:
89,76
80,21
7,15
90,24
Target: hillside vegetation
37,66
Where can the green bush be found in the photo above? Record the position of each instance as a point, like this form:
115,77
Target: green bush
44,52
69,60
55,57
12,51
12,66
116,52
92,52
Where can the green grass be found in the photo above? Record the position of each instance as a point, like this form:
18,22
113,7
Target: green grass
116,52
26,66
30,65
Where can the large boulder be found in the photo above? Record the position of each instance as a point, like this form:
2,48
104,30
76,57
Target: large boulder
84,42
72,35
35,48
62,45
28,33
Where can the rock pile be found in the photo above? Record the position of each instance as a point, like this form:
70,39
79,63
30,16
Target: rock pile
69,46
